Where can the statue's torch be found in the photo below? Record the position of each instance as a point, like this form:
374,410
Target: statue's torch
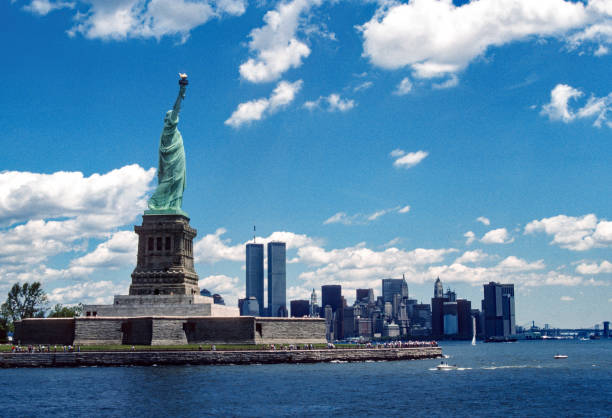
183,79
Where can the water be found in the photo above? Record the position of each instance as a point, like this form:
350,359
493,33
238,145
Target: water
507,379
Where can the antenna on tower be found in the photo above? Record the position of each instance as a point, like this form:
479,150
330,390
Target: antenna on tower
254,229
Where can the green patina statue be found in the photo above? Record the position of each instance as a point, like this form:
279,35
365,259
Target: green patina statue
168,197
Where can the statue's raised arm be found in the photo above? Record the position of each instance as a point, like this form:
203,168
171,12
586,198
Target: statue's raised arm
181,95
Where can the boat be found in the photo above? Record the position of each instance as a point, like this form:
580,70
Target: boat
560,356
445,366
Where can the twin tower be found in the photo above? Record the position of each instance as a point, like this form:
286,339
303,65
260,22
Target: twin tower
277,280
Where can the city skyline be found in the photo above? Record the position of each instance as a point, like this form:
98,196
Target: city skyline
470,158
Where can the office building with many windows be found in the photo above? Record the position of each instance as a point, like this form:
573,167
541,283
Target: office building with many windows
277,279
254,274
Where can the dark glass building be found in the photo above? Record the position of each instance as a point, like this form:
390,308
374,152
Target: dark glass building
254,274
248,306
464,318
498,305
331,294
277,279
392,287
300,308
365,295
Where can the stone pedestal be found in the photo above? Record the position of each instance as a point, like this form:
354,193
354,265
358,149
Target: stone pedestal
165,257
164,282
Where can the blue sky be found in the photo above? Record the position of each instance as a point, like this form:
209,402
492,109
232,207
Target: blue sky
466,140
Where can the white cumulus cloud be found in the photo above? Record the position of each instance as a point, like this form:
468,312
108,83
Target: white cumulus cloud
405,209
118,251
408,160
470,237
436,38
361,218
101,292
483,220
331,103
275,45
122,19
55,213
475,256
574,233
44,7
559,108
213,248
594,268
404,87
254,110
497,236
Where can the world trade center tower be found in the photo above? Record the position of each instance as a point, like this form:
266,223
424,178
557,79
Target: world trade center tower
254,274
277,279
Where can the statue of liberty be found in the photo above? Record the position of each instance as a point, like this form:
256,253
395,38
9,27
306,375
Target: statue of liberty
168,197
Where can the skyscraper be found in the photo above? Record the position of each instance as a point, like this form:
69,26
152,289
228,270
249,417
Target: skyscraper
254,274
438,290
300,308
277,279
437,309
499,310
365,295
464,318
331,294
508,308
314,305
392,287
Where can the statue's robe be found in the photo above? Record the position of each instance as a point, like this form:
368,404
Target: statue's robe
171,172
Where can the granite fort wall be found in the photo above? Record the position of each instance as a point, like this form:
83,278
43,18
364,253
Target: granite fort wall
99,330
171,330
148,358
137,331
240,330
45,331
289,330
168,331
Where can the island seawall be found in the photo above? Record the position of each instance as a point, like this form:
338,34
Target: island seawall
149,358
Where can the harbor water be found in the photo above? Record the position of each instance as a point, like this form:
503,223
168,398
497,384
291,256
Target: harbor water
502,379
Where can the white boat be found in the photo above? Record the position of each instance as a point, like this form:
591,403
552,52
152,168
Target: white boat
560,356
445,366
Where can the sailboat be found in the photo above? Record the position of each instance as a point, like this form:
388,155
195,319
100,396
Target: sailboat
473,330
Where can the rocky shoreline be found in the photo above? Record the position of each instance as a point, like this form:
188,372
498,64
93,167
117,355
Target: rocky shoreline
150,358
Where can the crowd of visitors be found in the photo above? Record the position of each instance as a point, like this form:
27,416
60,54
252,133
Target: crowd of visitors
388,344
45,348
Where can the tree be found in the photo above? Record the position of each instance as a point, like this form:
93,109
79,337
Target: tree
26,301
4,329
61,311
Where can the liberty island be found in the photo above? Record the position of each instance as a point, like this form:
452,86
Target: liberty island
164,305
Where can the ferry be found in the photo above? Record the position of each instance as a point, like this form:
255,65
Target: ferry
560,356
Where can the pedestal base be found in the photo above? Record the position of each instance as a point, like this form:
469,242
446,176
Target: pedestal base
160,305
